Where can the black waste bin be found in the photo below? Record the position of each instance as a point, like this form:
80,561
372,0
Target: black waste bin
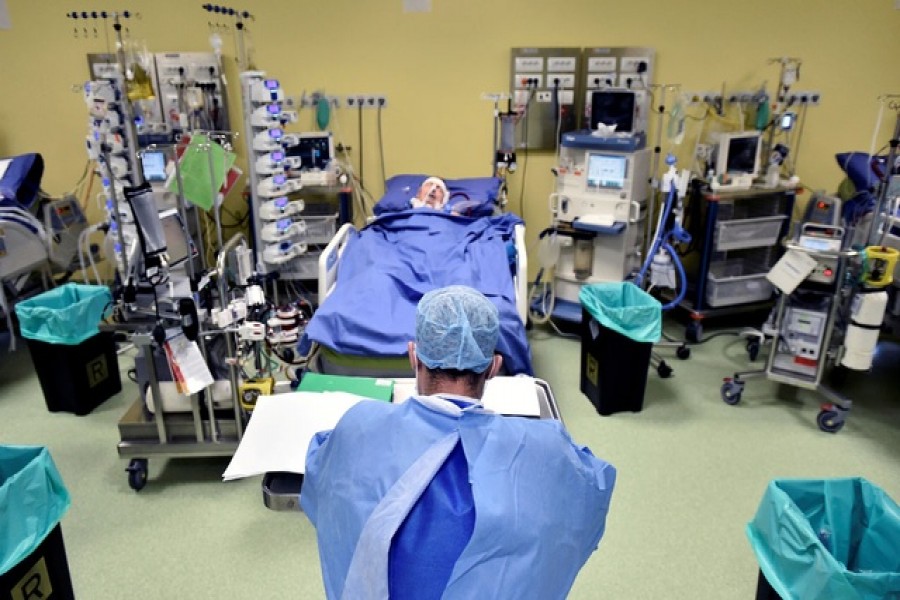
76,364
33,499
619,324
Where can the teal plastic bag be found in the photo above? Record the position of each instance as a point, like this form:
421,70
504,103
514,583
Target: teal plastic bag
65,315
625,308
826,539
33,499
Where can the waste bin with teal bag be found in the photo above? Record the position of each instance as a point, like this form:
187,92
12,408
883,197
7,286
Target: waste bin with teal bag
619,325
826,539
76,364
33,500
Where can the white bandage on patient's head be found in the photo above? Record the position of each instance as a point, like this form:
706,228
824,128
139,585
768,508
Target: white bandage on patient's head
432,193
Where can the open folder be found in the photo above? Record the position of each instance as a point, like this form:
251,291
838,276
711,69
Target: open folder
282,425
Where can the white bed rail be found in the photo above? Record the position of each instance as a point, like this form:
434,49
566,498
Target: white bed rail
521,279
329,259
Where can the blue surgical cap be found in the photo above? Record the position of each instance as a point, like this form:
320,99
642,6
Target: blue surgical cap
456,328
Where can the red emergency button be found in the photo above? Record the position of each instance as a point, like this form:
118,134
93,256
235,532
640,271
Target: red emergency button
827,272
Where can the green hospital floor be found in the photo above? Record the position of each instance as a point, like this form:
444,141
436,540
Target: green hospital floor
691,472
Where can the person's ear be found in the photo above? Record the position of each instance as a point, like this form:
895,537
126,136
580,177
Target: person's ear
413,360
496,363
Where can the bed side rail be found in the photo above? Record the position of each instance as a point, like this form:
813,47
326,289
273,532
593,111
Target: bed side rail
329,259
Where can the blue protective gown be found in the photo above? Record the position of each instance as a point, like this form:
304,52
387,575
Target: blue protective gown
387,483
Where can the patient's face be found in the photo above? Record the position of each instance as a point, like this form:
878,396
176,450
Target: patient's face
432,195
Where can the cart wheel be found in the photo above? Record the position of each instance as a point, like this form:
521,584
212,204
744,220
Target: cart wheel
694,332
731,392
830,421
683,352
664,370
753,349
137,473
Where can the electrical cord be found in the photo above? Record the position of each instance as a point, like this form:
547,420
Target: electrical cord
381,150
525,151
361,164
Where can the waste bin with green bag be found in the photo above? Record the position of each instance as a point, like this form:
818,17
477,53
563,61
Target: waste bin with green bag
619,325
826,539
33,500
76,363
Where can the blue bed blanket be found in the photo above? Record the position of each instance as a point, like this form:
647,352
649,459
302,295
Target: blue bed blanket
387,267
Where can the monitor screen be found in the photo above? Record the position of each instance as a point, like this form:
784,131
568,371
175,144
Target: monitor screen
177,243
315,151
613,107
154,165
606,171
742,154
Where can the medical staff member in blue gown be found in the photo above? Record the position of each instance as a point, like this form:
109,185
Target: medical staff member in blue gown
437,497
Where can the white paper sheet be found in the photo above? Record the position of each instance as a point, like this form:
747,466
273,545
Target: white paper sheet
504,395
279,432
512,396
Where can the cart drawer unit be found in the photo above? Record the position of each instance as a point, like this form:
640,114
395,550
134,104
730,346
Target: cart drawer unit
748,233
737,282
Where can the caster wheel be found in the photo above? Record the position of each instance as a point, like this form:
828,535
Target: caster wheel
137,473
683,352
830,421
693,332
753,349
664,370
731,392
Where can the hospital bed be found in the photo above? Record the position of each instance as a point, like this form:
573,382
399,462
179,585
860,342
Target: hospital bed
35,235
370,280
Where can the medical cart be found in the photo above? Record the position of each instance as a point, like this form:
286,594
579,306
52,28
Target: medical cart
735,242
200,431
803,345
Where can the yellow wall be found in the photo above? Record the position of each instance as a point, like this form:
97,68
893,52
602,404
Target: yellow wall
433,68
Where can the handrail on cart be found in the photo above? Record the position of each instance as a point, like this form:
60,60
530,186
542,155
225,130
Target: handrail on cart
821,253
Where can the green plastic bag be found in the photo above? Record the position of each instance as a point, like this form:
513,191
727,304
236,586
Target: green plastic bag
65,315
195,167
33,499
827,539
625,308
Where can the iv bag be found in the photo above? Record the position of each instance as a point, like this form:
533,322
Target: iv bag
675,130
138,83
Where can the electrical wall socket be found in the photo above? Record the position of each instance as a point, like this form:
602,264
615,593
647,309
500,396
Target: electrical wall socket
312,101
800,98
565,80
358,101
599,81
631,64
